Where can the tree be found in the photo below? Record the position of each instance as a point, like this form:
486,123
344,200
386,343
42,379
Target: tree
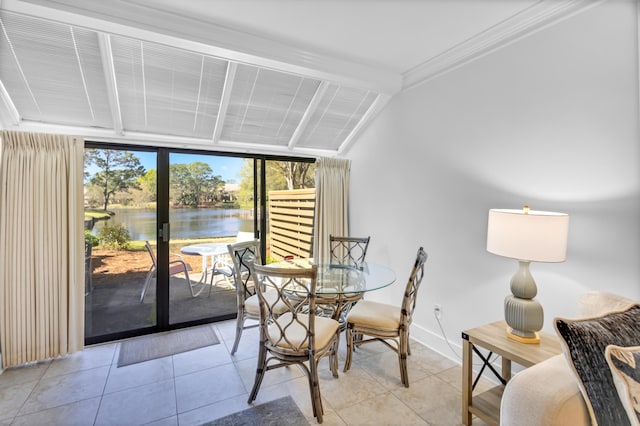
148,184
279,175
296,174
193,184
118,171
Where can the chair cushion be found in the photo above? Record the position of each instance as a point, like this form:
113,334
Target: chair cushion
375,315
225,270
624,364
296,333
252,304
583,343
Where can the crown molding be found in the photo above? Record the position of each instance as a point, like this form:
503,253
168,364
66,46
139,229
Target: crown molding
522,24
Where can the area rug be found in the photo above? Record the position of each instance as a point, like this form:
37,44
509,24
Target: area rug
160,345
283,411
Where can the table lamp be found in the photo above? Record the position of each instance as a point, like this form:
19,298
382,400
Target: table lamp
527,236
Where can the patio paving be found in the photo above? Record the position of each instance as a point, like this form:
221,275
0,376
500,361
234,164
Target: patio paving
114,305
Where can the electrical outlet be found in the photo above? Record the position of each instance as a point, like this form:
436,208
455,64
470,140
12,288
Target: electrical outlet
437,311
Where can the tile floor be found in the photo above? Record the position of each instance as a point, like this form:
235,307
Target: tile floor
205,384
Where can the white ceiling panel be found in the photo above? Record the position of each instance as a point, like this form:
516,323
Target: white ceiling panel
266,106
337,115
166,90
53,72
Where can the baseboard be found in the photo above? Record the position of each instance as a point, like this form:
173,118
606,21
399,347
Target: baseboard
437,343
453,350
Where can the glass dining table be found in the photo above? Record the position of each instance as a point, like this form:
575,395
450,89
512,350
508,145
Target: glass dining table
338,287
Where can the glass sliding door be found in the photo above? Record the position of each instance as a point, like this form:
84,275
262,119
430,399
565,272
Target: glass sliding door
157,223
120,215
210,206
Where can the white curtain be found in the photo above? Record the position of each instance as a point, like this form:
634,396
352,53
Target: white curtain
41,246
332,199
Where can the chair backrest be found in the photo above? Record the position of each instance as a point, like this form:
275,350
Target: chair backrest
244,254
291,331
411,291
349,251
151,253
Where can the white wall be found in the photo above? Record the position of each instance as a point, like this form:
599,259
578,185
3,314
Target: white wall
550,121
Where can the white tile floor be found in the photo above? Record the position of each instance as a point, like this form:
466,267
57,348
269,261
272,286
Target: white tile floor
204,384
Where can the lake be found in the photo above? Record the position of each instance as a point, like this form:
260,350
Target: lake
185,223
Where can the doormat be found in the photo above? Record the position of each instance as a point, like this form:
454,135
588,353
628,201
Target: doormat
282,411
155,346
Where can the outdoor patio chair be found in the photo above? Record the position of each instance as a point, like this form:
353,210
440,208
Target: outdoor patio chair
386,323
88,268
176,266
293,337
244,254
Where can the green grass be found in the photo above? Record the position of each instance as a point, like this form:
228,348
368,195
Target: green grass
97,214
177,244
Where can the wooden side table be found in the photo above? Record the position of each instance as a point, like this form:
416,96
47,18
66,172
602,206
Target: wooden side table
493,338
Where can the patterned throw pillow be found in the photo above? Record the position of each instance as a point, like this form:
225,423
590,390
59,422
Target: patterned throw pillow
624,364
584,342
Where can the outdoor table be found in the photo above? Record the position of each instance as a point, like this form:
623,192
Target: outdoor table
213,251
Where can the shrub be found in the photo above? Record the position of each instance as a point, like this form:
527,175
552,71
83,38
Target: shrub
89,238
115,236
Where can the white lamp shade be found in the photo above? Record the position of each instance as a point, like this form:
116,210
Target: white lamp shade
535,236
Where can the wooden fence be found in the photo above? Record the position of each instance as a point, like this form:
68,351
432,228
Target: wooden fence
291,214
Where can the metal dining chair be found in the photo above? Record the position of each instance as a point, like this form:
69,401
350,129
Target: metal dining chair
293,336
349,251
345,251
386,323
244,254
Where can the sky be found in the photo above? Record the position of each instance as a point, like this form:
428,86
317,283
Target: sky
226,167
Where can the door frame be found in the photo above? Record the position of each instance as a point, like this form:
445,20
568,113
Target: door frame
162,216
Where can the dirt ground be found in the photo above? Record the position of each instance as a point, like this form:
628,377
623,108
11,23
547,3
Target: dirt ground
108,263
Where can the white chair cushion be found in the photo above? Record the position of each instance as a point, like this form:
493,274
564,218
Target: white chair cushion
252,304
375,315
325,329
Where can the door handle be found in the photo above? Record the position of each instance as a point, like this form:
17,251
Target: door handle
164,232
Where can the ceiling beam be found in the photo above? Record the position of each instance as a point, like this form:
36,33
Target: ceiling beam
104,41
8,111
311,108
375,108
96,134
224,101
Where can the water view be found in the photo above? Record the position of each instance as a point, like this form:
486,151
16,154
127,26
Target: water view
185,222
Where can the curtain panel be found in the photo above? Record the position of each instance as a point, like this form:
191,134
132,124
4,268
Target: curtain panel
42,246
332,203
